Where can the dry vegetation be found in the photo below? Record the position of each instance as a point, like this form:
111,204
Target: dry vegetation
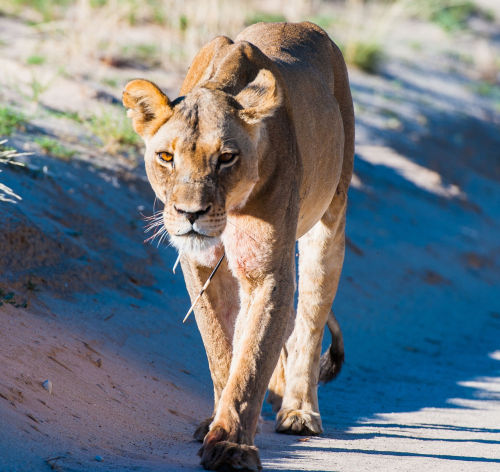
168,33
69,44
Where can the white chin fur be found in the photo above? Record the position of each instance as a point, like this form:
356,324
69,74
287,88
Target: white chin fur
203,249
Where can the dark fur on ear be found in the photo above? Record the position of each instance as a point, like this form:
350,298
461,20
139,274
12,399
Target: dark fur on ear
148,106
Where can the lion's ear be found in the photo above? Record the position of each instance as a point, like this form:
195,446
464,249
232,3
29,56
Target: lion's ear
148,106
260,98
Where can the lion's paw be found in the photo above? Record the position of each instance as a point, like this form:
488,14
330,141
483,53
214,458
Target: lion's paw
202,429
230,457
299,422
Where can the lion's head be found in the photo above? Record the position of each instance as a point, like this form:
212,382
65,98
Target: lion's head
202,152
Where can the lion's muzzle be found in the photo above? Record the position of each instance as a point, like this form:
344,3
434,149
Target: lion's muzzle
194,226
191,215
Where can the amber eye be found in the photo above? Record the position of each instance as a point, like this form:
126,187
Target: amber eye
165,156
227,158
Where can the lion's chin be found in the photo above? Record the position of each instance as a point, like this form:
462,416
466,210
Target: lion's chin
195,245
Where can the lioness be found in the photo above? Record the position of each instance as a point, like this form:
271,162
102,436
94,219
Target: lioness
255,154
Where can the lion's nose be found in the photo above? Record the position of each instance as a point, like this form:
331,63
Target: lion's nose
192,216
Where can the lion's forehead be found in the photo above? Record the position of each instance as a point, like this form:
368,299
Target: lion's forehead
202,124
203,108
184,140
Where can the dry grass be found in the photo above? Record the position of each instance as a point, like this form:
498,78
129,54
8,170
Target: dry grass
114,130
107,42
101,30
168,33
8,156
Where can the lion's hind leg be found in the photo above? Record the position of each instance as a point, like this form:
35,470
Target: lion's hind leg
320,263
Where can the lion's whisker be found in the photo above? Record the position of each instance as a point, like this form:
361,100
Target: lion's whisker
162,238
157,218
159,232
153,224
155,215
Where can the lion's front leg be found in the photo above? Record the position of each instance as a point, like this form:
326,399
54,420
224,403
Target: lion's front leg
259,335
215,314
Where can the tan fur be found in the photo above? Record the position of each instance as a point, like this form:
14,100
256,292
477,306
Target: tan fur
279,98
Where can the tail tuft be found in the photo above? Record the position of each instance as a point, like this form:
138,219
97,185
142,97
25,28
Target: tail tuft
331,361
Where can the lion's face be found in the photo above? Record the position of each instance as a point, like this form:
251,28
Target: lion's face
202,156
201,164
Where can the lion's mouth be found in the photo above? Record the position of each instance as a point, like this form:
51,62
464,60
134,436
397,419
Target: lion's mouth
194,233
193,241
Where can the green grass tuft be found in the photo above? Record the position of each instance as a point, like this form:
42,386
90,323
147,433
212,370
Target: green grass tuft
487,89
115,131
453,15
183,23
35,60
48,10
54,148
367,56
109,82
324,21
37,88
260,16
10,121
146,54
70,115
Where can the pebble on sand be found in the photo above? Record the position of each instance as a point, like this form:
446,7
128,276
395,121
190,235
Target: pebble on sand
47,385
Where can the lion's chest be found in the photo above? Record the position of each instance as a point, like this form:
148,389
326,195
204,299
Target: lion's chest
246,251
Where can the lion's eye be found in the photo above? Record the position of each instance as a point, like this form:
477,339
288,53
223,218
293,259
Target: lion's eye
165,156
227,158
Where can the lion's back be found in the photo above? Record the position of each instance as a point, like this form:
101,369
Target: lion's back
315,75
297,48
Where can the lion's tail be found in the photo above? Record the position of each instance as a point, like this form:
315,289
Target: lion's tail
331,361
